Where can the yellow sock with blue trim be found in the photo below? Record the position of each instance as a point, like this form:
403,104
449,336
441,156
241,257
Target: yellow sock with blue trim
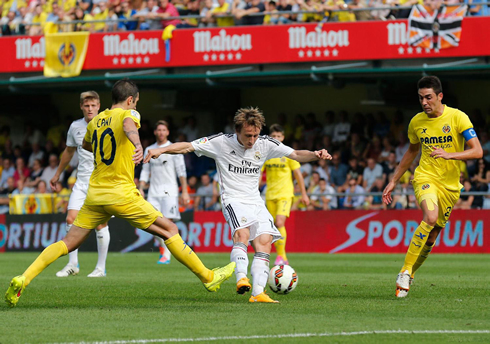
281,243
422,257
49,255
419,239
184,254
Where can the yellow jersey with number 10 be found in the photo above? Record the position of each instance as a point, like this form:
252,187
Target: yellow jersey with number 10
279,178
444,132
112,181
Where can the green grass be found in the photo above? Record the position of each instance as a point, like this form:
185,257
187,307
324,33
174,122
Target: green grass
336,293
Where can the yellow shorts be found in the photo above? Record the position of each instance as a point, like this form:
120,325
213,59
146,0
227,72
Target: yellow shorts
139,213
443,198
280,206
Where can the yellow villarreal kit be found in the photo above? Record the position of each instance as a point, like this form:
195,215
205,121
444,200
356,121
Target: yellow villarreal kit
280,188
112,190
437,180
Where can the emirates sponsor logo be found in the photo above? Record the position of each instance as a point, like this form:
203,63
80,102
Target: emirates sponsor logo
115,46
299,38
25,49
204,42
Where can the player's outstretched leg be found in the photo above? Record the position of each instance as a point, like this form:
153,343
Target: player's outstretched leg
17,285
415,248
260,275
212,279
103,240
72,268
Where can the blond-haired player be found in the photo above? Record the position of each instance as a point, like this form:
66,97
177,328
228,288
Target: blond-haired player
239,158
441,132
280,191
90,105
113,138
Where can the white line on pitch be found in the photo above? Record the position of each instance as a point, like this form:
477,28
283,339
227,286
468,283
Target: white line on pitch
286,335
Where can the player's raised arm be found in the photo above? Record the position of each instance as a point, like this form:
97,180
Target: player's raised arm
307,156
131,132
174,148
474,152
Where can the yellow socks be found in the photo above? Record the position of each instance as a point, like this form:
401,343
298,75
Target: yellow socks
422,257
49,255
419,239
281,244
186,256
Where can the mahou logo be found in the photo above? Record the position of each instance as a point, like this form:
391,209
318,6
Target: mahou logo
25,49
204,42
115,46
300,38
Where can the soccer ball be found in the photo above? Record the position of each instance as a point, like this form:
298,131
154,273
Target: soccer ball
282,279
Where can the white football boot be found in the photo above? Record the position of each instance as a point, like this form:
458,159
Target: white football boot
403,284
98,272
68,270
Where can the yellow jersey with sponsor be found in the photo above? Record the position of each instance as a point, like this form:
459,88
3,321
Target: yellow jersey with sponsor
279,177
112,181
444,132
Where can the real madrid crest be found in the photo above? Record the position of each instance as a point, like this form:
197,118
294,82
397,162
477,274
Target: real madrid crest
244,219
258,156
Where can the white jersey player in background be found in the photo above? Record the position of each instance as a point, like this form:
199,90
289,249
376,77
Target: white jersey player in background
90,105
162,174
239,158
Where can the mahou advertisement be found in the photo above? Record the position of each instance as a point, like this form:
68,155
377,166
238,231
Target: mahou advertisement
468,231
376,40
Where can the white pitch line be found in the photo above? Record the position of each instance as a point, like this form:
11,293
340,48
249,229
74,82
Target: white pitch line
287,335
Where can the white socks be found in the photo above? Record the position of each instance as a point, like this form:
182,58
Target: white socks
73,255
103,240
260,272
166,252
240,257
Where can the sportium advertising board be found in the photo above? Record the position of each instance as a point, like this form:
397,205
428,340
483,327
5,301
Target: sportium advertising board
468,231
376,40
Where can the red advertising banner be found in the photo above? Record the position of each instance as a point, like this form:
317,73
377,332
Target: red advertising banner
468,231
376,40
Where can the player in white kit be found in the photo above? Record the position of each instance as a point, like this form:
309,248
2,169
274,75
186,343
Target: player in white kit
162,174
90,105
239,158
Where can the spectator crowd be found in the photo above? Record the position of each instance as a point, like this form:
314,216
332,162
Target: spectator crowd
36,17
366,149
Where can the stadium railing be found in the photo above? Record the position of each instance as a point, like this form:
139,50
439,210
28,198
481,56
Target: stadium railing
48,203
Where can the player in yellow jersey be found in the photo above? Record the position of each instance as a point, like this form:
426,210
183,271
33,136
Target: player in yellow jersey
280,191
113,138
441,132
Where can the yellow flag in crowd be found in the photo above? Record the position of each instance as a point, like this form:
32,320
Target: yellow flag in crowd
31,204
65,54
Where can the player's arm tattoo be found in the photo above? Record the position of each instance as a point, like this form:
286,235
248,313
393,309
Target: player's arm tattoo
131,132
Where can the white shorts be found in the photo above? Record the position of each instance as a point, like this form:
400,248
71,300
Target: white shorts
169,206
255,216
77,197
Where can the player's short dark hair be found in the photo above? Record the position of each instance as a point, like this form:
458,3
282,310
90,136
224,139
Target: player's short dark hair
250,116
161,122
123,89
276,128
431,81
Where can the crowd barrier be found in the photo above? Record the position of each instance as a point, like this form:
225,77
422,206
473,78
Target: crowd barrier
337,231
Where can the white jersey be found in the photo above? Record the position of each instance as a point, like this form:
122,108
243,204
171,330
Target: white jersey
239,168
162,173
74,138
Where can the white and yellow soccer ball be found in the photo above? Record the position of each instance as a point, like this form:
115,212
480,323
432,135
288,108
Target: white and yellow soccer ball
282,279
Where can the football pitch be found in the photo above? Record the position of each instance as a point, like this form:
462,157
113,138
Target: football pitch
339,299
